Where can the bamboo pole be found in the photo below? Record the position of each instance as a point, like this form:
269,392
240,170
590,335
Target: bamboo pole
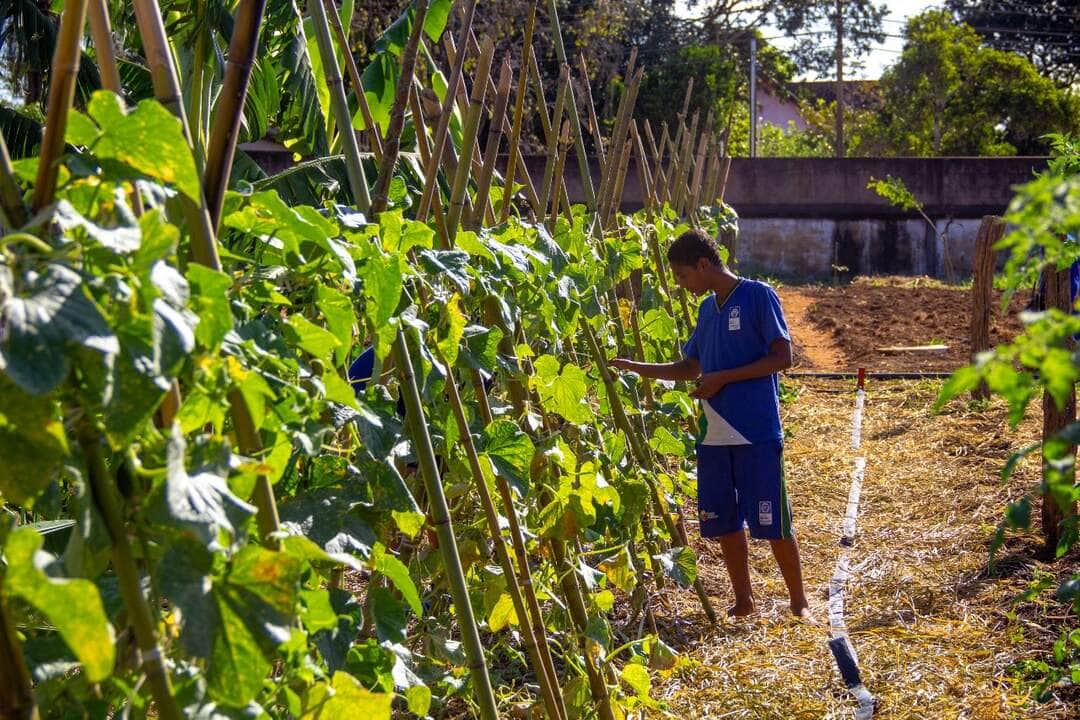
546,123
16,691
354,77
407,64
203,246
107,499
444,528
550,179
415,106
468,142
560,168
641,453
65,68
339,105
12,210
491,150
579,139
598,139
512,164
549,686
443,130
243,47
104,54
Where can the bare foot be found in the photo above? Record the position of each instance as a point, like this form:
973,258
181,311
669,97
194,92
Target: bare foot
802,612
741,609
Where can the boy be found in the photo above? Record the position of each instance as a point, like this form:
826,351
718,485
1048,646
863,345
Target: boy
739,345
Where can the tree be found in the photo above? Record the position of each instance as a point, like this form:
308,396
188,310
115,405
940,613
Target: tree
1046,32
814,23
950,95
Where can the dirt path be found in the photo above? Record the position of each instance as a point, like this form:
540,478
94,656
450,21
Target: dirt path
814,349
937,634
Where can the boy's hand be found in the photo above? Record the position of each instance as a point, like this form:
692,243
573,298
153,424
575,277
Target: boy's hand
708,385
621,364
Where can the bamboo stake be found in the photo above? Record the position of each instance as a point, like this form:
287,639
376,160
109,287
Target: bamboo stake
107,499
530,191
243,47
101,32
517,537
203,246
661,180
579,139
550,178
491,151
560,168
397,111
340,106
548,684
546,123
641,453
12,209
415,107
16,691
626,108
354,77
512,164
444,528
594,124
468,142
65,68
443,129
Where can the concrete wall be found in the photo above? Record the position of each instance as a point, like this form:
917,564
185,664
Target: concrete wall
803,216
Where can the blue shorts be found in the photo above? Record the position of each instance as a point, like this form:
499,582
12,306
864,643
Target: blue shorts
740,484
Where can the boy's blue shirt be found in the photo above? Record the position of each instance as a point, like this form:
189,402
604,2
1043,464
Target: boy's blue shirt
736,334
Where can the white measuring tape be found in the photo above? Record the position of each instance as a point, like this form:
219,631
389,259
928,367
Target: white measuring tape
847,662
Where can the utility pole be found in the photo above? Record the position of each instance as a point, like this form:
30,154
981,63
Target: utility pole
839,78
753,97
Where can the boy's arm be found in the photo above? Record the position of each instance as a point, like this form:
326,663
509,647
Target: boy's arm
778,359
685,369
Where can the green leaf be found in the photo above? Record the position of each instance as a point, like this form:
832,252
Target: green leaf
148,139
73,606
510,450
963,380
313,339
418,698
637,678
455,329
564,392
502,614
338,311
389,615
381,276
237,665
41,327
664,443
345,699
680,564
32,443
210,301
200,504
397,573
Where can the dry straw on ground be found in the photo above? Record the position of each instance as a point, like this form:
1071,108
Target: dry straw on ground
931,625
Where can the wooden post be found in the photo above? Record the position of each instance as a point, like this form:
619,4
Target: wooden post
1058,295
982,268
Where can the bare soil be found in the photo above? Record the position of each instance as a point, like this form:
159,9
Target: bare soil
842,328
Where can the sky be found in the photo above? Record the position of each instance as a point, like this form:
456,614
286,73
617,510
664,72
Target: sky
887,52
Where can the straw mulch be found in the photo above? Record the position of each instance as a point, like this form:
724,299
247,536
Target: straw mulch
937,634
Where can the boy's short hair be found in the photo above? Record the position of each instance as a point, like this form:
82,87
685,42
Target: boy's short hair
691,246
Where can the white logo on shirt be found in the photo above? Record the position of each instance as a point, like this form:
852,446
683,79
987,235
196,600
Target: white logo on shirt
764,512
733,318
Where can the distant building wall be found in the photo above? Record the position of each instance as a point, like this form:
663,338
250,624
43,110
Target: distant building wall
803,216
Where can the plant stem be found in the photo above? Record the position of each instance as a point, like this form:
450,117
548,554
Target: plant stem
444,528
16,692
109,504
12,210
